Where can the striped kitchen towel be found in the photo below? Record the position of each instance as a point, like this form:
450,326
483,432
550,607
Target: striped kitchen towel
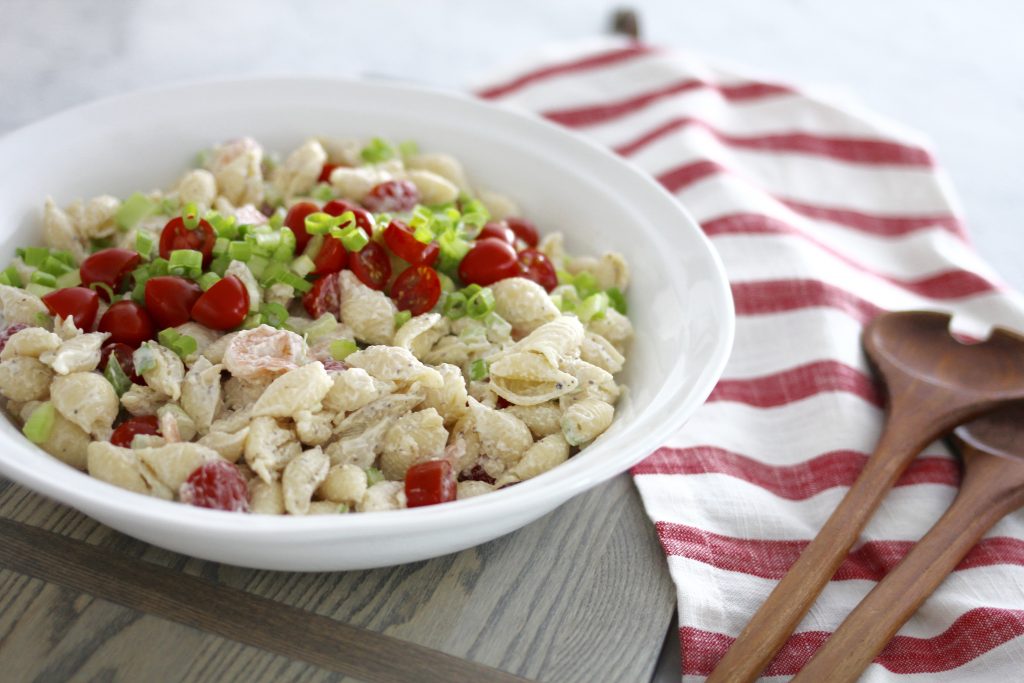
823,216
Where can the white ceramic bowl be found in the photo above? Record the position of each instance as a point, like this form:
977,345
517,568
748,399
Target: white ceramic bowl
679,299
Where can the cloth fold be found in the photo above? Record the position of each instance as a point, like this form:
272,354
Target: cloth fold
824,216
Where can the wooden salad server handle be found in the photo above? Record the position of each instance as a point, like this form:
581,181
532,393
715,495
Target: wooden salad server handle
992,487
934,383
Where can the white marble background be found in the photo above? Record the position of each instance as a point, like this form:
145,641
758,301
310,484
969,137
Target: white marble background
952,69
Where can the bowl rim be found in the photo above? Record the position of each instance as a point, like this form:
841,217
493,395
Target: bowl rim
98,498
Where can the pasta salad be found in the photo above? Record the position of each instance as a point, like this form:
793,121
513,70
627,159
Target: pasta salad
353,328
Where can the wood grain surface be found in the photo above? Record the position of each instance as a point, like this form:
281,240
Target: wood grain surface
580,595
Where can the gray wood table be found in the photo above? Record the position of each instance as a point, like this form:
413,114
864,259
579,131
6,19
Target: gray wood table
583,594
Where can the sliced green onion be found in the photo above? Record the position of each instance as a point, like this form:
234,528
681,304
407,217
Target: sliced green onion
342,348
303,265
277,219
13,277
71,279
65,256
478,370
167,336
34,256
220,246
454,306
41,278
55,266
189,259
170,206
38,289
586,284
185,345
207,280
39,424
133,210
190,216
159,266
296,282
377,150
325,324
251,321
453,248
116,375
104,287
239,251
593,307
99,243
409,148
274,314
617,300
474,213
267,240
480,304
323,192
4,280
355,240
43,320
373,476
258,264
144,244
224,226
219,265
320,223
401,318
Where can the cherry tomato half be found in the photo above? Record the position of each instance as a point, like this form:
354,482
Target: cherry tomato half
295,220
371,265
524,230
499,230
429,483
126,431
392,196
169,299
364,219
176,236
128,323
325,172
110,267
534,265
416,290
400,239
331,258
488,261
80,303
325,297
123,354
222,306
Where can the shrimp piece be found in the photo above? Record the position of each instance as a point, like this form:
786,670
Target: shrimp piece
263,353
237,167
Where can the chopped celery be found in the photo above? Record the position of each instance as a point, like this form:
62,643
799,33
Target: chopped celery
478,370
71,279
34,256
116,375
373,476
207,280
39,424
41,278
133,210
401,318
239,251
377,150
617,300
14,277
342,348
144,243
593,307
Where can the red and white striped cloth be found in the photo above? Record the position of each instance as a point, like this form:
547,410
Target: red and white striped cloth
823,218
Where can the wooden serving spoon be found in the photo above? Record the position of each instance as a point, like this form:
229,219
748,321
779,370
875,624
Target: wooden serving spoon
992,447
934,383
